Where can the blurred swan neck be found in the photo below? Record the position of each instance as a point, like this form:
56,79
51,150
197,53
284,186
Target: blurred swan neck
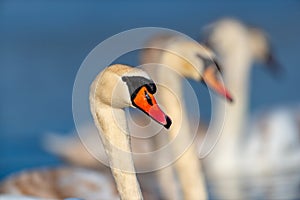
170,94
237,80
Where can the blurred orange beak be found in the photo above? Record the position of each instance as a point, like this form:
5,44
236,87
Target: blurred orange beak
146,102
210,78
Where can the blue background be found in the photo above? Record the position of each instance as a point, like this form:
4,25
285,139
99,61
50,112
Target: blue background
43,43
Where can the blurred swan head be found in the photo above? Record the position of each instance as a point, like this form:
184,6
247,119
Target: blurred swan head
226,37
187,58
231,39
261,49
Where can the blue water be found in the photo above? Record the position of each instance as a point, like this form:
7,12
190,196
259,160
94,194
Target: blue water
43,43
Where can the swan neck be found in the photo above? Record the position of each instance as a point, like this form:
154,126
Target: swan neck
237,81
112,125
182,132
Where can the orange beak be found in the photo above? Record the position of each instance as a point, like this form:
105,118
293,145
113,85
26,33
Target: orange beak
210,78
146,102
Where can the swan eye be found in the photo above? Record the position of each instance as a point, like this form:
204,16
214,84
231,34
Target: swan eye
151,88
149,100
209,61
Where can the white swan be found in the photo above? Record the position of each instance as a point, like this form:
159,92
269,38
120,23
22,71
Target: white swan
179,57
230,40
192,60
116,88
58,183
233,158
274,143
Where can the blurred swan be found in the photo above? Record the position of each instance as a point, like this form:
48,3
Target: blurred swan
70,147
83,147
58,183
231,41
171,60
242,157
278,130
274,142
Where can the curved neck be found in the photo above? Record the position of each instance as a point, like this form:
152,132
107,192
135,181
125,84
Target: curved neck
112,125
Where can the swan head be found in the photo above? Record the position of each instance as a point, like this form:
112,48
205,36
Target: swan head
197,62
230,38
261,49
121,86
226,37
